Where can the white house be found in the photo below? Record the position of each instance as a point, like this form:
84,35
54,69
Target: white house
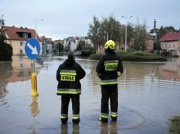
72,42
170,43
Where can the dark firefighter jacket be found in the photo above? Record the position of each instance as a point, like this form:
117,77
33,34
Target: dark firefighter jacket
68,76
109,68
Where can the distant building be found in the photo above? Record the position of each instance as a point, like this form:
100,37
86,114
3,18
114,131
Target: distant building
149,43
72,42
56,45
47,44
170,44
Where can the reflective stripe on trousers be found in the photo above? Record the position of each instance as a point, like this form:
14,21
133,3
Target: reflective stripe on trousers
68,91
114,114
103,115
75,116
109,82
64,116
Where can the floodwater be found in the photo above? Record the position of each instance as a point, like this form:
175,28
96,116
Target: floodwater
149,95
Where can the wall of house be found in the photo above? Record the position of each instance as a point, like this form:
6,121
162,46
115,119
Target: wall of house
173,46
178,48
19,46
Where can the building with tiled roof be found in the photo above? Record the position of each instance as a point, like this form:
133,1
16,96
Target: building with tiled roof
170,43
16,37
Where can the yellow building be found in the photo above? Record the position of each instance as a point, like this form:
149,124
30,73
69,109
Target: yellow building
17,38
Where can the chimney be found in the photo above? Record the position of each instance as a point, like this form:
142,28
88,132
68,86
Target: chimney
154,26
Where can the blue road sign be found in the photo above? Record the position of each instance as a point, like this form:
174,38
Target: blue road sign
32,48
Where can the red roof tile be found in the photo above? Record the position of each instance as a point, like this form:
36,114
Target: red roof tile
13,31
172,36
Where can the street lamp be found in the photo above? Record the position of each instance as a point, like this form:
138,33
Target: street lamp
107,34
36,27
98,31
36,38
126,32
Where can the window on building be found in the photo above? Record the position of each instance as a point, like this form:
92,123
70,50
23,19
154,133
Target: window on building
21,43
25,35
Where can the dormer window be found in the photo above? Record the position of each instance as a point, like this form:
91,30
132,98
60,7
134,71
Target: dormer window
25,35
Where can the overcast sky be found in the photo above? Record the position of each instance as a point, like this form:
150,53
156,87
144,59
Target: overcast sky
72,17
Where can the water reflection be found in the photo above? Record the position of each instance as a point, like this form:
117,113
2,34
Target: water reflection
148,96
3,90
5,69
109,128
171,70
64,129
18,70
4,74
75,129
34,107
69,129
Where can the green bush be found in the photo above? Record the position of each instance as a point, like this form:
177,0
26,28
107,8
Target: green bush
133,57
121,52
95,56
140,53
5,52
174,127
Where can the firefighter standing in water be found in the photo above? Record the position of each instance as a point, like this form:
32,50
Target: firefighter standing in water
108,69
68,76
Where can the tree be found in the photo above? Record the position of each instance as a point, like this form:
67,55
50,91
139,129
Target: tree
139,36
100,31
164,30
5,49
93,31
111,28
59,47
83,46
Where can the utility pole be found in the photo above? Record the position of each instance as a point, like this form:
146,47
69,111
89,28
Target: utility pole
125,45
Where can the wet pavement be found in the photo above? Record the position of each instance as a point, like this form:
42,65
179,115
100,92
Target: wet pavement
149,95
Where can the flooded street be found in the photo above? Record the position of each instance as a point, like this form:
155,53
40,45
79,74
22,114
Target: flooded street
149,95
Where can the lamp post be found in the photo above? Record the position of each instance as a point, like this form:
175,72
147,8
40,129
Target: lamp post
107,34
125,45
98,30
36,27
37,39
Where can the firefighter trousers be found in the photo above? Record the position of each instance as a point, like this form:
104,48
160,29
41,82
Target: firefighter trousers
109,92
65,100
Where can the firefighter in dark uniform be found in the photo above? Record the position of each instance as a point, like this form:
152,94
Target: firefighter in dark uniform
108,69
68,75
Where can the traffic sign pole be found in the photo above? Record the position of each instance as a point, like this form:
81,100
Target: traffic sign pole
32,49
34,67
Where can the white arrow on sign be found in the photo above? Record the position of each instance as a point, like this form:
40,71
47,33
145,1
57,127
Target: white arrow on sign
34,49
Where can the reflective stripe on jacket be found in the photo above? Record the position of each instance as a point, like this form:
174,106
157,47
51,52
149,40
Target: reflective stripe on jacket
109,68
68,76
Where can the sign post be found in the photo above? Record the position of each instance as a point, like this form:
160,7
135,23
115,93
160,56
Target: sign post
32,49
